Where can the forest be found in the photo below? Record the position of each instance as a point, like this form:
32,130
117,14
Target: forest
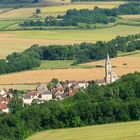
116,102
82,53
98,15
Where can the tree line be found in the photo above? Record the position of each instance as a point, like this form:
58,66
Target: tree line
81,53
15,62
74,17
117,102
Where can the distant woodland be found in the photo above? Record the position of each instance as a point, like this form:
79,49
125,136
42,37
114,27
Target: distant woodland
98,15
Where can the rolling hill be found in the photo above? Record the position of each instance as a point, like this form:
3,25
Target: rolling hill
118,131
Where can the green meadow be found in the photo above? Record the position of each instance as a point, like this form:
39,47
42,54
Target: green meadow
117,131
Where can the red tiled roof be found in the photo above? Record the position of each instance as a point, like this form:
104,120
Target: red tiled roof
72,93
3,106
5,99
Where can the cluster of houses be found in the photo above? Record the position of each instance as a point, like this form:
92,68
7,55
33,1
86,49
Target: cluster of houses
42,94
5,98
58,92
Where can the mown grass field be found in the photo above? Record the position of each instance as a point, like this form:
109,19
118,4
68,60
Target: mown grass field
19,40
20,86
116,131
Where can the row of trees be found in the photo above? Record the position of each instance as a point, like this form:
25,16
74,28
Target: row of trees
117,102
83,52
20,61
97,15
88,51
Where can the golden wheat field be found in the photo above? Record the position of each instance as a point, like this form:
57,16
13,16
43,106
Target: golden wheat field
131,16
122,65
120,62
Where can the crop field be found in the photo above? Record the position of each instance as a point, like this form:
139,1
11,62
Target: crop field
19,40
121,65
61,9
120,62
19,86
131,17
51,10
18,13
116,131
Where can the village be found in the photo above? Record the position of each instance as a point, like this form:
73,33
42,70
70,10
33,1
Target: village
55,90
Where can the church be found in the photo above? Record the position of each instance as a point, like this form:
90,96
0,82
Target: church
110,76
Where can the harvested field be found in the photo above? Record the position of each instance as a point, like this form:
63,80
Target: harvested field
133,17
36,76
126,62
18,13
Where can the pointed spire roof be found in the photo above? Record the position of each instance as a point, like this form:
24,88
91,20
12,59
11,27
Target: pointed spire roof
107,57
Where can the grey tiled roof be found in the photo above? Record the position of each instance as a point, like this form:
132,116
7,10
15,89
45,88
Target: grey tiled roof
27,96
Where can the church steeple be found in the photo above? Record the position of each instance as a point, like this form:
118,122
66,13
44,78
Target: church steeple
108,69
107,57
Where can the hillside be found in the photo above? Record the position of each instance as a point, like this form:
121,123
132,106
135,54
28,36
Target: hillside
118,131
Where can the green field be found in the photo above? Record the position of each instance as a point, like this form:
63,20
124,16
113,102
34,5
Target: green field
59,64
20,86
117,131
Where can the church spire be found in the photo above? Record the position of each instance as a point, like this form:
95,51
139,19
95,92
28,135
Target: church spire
107,57
108,69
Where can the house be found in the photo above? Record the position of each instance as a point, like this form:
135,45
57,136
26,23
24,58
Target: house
58,94
83,84
46,96
3,93
4,108
27,99
4,100
41,88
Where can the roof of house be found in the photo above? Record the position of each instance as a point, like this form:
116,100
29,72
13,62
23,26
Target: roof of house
3,106
33,93
27,96
46,93
5,99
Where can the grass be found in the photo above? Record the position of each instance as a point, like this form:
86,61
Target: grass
59,64
134,53
19,86
116,131
56,64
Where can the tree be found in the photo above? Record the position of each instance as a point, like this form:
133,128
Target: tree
38,11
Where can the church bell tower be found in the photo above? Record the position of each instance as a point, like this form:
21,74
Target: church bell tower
108,70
